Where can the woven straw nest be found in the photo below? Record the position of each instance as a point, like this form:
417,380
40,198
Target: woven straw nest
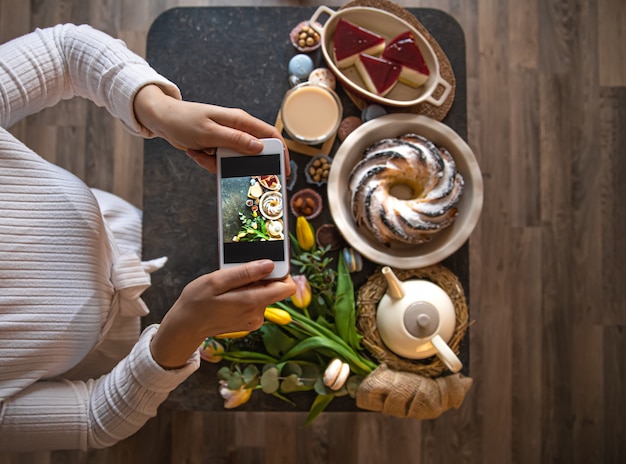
369,296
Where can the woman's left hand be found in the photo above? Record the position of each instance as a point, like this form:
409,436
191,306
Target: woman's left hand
199,128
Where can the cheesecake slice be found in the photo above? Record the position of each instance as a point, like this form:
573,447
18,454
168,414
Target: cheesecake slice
403,50
350,40
378,74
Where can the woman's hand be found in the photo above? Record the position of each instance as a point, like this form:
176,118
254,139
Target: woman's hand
198,128
228,300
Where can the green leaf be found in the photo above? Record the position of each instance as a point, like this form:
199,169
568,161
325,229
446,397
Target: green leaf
290,368
313,343
250,373
223,373
276,341
235,381
344,309
295,245
267,367
322,389
248,357
327,325
284,398
269,380
359,364
319,404
310,374
341,392
353,383
292,384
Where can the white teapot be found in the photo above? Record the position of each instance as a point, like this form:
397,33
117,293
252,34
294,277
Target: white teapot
416,319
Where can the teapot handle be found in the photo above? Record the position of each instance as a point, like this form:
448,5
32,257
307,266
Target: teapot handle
445,353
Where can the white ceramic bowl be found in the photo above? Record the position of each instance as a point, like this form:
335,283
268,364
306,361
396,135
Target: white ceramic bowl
388,26
399,255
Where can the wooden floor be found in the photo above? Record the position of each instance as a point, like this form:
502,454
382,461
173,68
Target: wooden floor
547,120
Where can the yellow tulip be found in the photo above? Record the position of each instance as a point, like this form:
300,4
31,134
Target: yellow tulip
234,398
304,233
302,297
277,316
241,334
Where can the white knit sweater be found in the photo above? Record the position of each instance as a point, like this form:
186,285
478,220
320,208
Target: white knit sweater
70,279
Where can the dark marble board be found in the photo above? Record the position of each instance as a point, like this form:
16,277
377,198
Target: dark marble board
238,57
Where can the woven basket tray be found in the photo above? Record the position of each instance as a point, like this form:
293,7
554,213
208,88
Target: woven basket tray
369,296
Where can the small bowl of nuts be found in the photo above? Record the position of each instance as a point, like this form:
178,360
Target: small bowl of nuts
305,38
317,170
306,202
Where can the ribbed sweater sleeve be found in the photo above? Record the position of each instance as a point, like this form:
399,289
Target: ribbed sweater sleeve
40,69
94,414
57,259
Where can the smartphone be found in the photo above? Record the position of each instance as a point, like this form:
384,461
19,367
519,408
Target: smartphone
252,204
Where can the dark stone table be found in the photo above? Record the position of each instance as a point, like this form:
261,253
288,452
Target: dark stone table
238,57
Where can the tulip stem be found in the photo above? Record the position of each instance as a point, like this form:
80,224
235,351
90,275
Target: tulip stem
363,364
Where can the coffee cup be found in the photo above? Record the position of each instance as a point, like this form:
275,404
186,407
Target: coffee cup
311,113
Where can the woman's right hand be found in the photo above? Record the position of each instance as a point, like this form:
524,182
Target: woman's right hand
227,300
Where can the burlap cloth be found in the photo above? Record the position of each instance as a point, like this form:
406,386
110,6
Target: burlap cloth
404,394
445,68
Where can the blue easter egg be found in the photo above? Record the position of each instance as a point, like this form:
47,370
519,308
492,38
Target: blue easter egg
301,66
353,260
372,112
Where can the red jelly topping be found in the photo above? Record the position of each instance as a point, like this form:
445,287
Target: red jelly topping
350,39
404,50
384,74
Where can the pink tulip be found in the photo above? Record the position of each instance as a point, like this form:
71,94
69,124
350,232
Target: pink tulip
211,350
234,398
302,297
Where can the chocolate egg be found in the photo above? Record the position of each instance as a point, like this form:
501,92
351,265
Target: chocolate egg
346,126
327,235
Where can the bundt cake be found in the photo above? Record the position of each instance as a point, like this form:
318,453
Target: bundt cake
405,189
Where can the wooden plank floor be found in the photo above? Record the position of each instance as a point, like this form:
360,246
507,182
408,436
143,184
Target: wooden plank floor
547,120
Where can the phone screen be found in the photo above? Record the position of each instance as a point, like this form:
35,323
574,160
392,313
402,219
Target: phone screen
252,204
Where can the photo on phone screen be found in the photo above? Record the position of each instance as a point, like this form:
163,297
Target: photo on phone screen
252,209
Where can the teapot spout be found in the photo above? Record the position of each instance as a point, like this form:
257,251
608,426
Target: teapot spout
394,285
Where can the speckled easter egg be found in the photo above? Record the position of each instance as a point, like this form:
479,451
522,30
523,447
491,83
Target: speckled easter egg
323,76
